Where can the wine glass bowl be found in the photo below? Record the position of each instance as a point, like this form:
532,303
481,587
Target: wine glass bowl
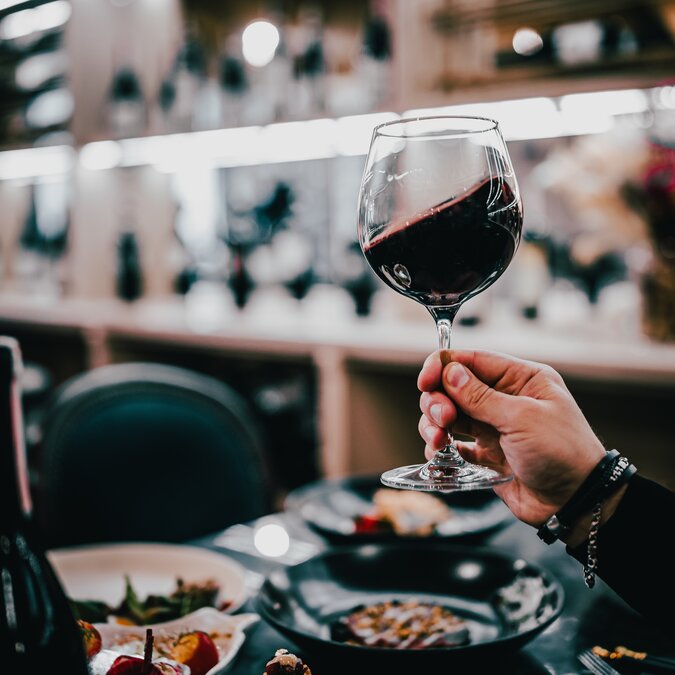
440,219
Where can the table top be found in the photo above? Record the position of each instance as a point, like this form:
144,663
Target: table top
590,617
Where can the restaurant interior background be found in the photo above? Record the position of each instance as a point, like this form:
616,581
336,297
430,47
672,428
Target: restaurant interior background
178,184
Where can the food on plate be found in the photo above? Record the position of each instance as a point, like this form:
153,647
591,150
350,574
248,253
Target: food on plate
132,665
196,650
284,662
111,662
132,611
403,512
91,638
193,645
402,625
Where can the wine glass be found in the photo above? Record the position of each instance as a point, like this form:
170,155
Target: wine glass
440,218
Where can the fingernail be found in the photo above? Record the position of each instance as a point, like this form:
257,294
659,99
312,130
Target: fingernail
457,375
435,412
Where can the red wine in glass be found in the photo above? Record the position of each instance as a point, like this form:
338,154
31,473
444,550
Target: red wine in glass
453,250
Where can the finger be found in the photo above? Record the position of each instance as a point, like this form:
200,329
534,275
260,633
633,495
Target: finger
470,427
429,452
438,408
483,456
432,434
429,378
500,371
476,399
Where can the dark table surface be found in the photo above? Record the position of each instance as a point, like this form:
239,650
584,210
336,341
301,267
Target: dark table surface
590,617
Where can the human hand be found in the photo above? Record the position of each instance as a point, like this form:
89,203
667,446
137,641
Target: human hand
524,421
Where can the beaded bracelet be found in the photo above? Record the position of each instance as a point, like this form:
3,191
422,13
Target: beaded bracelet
582,501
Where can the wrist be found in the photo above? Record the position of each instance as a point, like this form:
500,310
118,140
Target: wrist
578,533
604,481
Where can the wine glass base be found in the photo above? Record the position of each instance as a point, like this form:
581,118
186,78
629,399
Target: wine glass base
450,479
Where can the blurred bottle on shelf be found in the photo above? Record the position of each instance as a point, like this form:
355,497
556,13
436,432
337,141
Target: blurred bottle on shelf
45,234
234,86
530,276
129,274
125,107
239,280
353,274
375,62
306,94
180,91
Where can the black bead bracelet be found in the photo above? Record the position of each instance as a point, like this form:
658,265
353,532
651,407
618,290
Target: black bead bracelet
609,474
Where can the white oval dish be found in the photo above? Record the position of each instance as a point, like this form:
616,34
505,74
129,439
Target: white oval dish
97,572
226,631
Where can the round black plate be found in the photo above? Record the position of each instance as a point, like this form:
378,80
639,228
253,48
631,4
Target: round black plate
303,601
330,507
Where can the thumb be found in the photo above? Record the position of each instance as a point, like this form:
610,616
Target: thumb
475,398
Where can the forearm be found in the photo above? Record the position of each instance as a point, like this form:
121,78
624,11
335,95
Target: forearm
635,556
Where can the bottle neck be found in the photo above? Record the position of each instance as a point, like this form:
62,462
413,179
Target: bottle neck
15,503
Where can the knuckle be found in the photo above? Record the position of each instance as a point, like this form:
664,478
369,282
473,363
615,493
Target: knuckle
551,374
479,397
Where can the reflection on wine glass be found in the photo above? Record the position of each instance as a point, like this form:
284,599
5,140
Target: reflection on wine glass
440,218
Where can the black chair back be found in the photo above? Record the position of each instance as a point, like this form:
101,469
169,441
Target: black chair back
147,452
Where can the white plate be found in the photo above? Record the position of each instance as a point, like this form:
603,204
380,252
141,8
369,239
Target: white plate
97,572
230,630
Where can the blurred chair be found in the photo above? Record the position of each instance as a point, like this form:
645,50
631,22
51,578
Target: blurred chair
143,451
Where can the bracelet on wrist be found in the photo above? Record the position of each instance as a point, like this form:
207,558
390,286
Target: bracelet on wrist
607,476
611,472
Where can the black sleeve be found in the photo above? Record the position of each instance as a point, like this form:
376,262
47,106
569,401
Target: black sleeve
636,552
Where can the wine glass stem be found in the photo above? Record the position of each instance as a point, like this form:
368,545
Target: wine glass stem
448,456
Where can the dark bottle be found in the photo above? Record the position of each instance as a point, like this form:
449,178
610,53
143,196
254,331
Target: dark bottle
129,275
38,633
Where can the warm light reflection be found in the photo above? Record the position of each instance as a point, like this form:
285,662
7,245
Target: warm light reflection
526,41
32,162
272,540
259,42
521,119
624,102
469,570
101,155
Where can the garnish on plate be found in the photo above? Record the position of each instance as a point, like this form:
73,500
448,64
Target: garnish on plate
285,663
125,664
185,599
91,638
404,513
197,650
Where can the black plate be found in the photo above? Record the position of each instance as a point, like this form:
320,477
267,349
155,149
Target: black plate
330,507
303,602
